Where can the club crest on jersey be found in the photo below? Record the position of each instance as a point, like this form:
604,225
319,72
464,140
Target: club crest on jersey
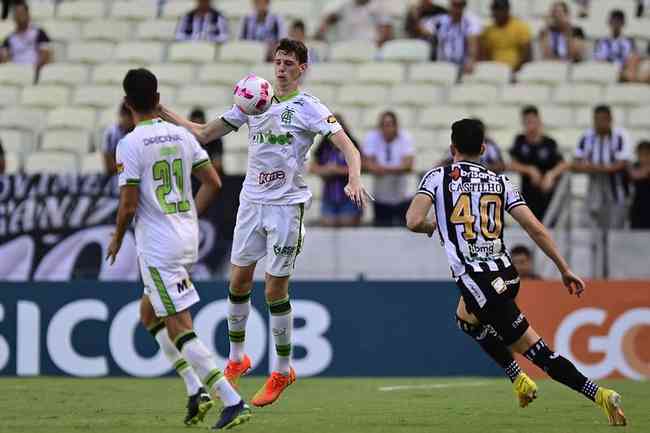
287,116
455,174
332,119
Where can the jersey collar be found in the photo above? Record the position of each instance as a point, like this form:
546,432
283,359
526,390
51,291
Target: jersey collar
149,122
286,97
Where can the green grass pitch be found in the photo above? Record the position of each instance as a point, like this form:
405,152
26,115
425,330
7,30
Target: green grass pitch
316,405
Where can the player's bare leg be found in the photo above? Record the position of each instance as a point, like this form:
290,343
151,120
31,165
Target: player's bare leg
179,327
560,369
277,297
239,307
198,401
486,337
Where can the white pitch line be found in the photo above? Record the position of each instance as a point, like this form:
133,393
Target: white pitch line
431,386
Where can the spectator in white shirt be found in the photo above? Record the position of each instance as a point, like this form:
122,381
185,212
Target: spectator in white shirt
388,154
354,20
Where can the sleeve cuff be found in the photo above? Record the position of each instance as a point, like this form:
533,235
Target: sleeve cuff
515,204
428,193
230,124
200,164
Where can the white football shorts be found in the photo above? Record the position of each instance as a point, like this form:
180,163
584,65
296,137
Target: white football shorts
169,287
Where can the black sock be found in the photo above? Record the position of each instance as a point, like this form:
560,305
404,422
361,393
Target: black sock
561,369
489,340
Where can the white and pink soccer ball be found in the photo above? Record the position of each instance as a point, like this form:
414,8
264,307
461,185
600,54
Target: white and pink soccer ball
253,95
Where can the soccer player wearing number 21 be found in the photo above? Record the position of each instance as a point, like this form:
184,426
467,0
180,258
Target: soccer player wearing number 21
273,197
155,163
469,201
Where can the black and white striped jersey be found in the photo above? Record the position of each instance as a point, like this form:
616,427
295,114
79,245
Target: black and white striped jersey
614,50
469,202
607,150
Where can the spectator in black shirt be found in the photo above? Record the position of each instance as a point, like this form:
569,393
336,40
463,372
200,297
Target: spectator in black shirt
640,175
215,147
2,159
537,158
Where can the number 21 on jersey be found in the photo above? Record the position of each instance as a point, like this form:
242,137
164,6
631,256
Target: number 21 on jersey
163,170
489,215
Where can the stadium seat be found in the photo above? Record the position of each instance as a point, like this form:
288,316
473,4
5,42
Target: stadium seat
294,8
51,162
9,96
264,69
637,28
156,30
172,74
98,96
541,8
108,117
544,72
90,52
237,142
192,52
45,96
62,30
331,73
176,9
599,9
111,73
351,114
13,141
14,74
243,52
639,117
363,95
473,94
424,139
579,184
441,73
69,74
405,50
41,10
584,117
222,73
21,118
69,140
67,117
414,94
6,27
81,10
627,94
202,95
234,163
595,72
381,73
134,10
555,116
441,116
140,52
12,163
235,8
567,138
504,138
525,94
405,116
92,163
326,94
427,158
106,30
498,117
578,94
353,51
489,73
321,48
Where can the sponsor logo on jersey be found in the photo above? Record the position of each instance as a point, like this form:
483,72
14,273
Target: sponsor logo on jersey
120,167
512,282
518,321
281,251
265,177
487,249
271,138
287,116
458,172
158,139
499,285
332,119
183,285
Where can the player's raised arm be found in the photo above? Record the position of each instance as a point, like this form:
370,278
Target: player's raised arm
354,189
204,132
538,233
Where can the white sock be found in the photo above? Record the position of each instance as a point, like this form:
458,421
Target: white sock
281,327
184,370
239,308
203,363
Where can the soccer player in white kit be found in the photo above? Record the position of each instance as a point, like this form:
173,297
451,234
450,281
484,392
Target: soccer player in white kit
155,163
272,202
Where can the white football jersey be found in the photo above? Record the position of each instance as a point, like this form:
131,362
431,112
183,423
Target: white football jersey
278,142
159,157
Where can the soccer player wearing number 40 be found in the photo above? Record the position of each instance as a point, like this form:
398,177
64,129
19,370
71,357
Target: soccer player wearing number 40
272,201
469,201
155,163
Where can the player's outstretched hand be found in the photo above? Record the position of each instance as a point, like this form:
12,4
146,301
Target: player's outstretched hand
113,249
573,283
358,193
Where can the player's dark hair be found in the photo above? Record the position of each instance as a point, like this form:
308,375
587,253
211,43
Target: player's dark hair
390,114
529,109
197,113
141,88
617,14
521,249
468,136
291,46
298,24
643,146
603,109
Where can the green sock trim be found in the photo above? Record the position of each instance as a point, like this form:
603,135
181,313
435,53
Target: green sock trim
212,377
283,349
183,338
239,298
181,365
279,307
156,328
237,336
